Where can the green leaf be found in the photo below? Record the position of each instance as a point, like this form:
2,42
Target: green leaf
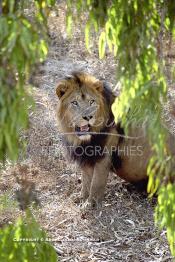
102,44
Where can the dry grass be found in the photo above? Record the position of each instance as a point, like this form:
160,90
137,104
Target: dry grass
123,230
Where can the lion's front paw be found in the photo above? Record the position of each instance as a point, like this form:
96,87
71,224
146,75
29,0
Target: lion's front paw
91,204
95,203
86,205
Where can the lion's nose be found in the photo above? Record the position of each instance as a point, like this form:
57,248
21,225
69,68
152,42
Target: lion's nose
87,118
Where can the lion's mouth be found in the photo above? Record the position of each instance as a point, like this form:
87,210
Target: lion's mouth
82,130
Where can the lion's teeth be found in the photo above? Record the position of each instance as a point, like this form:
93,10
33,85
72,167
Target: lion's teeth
84,128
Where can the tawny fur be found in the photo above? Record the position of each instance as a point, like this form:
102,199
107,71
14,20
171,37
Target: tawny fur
131,159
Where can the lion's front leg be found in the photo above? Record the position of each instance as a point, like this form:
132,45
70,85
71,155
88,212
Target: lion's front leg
87,174
99,181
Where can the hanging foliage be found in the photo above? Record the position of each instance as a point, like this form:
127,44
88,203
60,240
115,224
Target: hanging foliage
22,45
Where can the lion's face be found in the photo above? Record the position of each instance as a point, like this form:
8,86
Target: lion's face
81,109
82,113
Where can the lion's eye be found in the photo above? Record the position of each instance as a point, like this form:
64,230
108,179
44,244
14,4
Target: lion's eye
91,101
75,103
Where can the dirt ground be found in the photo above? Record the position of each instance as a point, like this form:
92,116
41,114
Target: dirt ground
123,230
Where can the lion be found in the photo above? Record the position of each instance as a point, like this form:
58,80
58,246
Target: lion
94,140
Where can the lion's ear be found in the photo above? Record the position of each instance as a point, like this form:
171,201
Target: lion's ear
61,89
99,86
